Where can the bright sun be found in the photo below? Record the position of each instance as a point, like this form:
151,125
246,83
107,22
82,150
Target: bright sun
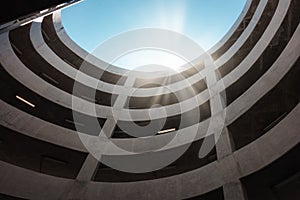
153,60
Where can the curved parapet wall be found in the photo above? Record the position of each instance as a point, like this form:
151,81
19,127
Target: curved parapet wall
257,70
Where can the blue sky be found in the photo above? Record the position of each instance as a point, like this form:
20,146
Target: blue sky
91,22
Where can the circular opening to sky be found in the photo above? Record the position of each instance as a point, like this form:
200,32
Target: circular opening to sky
91,22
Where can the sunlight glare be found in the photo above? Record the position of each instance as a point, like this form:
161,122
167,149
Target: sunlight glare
157,59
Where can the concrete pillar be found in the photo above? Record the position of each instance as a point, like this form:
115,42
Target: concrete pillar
90,165
224,145
234,191
87,170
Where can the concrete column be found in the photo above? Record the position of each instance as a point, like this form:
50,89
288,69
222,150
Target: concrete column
87,170
216,106
224,143
234,191
90,165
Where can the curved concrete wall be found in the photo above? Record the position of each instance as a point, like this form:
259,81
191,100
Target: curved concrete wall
231,164
18,182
